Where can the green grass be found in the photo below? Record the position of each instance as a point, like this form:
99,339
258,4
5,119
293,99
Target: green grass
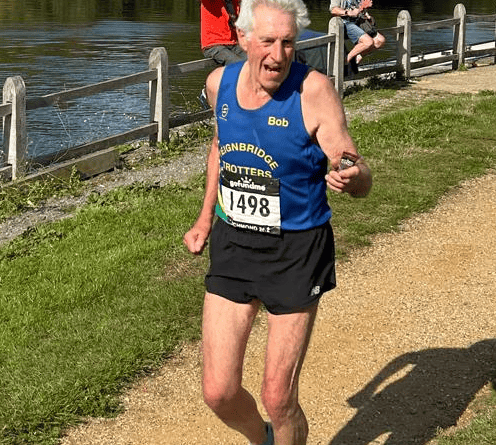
91,302
416,156
20,197
481,430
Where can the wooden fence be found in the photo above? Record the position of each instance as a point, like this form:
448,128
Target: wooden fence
99,156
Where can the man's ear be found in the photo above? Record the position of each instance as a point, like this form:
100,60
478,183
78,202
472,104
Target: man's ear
242,39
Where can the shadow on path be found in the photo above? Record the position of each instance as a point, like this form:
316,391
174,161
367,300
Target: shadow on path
432,389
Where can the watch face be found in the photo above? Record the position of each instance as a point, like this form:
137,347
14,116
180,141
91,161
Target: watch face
347,160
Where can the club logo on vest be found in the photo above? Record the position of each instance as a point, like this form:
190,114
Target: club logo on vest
224,112
278,122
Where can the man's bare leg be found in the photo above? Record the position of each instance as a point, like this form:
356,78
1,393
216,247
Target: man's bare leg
288,339
363,46
226,328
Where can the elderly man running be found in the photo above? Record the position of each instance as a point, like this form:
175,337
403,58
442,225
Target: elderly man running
279,124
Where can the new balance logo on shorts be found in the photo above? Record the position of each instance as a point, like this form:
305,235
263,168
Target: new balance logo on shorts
315,291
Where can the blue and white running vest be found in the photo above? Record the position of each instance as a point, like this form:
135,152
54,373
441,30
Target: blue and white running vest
271,172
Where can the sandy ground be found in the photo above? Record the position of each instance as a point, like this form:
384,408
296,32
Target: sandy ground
400,348
471,81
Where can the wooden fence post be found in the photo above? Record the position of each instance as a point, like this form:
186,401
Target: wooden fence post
159,94
335,54
404,43
459,35
14,125
494,60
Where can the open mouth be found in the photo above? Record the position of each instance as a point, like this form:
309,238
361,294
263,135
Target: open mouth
273,69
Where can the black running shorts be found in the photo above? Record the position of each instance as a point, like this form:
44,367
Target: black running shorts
287,272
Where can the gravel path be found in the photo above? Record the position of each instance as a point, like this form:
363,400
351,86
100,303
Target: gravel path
400,348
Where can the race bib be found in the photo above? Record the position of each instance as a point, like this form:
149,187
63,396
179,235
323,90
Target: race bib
251,202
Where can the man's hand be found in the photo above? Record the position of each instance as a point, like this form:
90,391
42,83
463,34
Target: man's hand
355,180
364,4
196,238
354,12
343,181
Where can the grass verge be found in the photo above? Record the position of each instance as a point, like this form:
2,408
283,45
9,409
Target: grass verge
20,197
482,428
89,303
17,197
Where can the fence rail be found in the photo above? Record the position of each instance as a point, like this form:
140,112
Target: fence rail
5,110
98,156
189,67
481,18
435,25
90,90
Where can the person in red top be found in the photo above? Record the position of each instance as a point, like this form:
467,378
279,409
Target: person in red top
218,31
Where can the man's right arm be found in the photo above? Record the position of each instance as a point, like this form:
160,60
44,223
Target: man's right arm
196,238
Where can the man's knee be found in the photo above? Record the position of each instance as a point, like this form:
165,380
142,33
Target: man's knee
279,403
218,397
284,409
379,41
366,41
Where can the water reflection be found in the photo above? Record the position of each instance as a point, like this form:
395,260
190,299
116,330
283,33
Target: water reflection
186,11
59,58
82,11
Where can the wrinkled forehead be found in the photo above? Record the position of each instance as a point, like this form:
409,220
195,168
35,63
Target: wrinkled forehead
272,20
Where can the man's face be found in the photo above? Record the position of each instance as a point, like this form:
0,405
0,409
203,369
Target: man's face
270,46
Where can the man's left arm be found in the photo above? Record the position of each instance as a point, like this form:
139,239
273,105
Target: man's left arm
325,121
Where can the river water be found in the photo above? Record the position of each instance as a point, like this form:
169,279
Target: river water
61,44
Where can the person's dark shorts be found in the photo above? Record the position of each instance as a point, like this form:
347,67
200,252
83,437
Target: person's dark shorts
287,273
225,54
353,32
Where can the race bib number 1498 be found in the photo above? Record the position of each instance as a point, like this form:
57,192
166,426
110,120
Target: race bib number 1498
251,202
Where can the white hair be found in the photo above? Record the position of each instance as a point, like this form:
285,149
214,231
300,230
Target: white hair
295,7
